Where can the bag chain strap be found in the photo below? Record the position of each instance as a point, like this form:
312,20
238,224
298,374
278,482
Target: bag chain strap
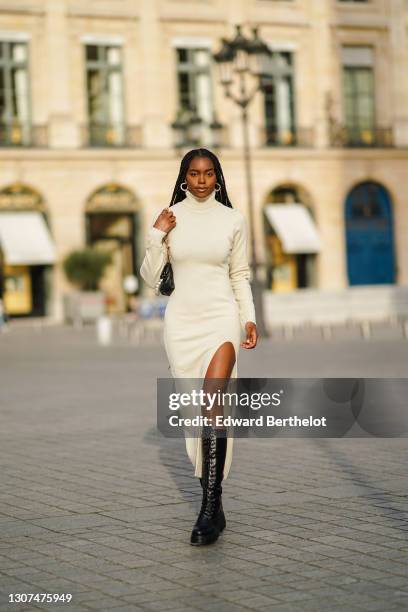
168,249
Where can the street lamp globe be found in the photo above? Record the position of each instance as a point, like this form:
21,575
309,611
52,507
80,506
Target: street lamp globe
260,57
240,48
194,128
216,128
224,62
179,128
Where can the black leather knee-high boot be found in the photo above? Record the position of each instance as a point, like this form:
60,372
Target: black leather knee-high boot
211,520
221,508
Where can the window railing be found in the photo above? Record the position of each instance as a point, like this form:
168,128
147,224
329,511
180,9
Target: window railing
299,137
111,135
204,137
346,136
18,134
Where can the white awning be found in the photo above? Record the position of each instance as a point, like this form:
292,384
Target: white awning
25,238
295,227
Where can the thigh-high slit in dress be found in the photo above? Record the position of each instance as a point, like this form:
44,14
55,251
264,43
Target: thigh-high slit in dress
212,299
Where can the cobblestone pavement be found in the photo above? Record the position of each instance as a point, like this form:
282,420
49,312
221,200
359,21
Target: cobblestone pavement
94,502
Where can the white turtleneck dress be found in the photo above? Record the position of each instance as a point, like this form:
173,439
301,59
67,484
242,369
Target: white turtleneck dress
212,299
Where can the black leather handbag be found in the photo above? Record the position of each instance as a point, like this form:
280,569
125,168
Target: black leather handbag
165,284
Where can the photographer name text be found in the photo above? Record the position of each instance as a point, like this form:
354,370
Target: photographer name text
260,421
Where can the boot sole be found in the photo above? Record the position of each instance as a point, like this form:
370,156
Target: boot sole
202,541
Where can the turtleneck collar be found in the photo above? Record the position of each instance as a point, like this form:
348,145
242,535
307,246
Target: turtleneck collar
200,204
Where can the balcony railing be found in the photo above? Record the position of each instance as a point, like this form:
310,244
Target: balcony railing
201,139
299,137
17,134
345,136
111,135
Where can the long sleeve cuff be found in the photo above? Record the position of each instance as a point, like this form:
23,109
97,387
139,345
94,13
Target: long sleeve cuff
247,309
155,236
249,316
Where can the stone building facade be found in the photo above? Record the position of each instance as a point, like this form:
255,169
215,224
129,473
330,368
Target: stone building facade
89,92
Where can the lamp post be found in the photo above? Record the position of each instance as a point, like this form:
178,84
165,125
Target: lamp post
238,59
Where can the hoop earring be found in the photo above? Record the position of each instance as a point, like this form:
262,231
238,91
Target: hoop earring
219,187
181,186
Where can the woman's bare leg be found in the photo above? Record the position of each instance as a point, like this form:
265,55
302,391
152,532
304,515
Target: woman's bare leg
218,375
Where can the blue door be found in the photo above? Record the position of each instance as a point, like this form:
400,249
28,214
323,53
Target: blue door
369,235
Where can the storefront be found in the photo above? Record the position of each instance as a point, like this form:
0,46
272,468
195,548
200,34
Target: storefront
27,252
112,224
291,240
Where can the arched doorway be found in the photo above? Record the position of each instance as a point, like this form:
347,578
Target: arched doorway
291,239
27,252
369,235
112,224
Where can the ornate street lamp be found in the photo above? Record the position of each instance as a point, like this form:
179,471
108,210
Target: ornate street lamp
187,127
238,59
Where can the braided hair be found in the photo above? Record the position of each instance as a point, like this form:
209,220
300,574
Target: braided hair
179,194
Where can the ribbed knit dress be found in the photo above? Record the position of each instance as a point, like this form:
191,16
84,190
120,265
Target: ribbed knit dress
212,299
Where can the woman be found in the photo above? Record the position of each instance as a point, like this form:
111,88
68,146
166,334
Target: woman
210,305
